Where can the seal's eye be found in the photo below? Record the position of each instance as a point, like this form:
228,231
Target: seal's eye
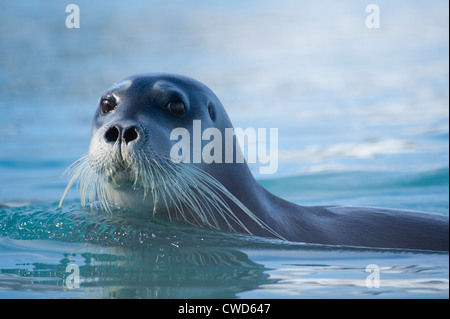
177,108
108,105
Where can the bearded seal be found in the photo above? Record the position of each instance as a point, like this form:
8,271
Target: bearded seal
129,165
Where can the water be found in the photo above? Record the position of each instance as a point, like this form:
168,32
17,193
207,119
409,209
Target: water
362,116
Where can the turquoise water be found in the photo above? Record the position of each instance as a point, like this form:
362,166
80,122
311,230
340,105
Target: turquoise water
362,116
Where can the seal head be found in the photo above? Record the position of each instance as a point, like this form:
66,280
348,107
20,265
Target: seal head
130,163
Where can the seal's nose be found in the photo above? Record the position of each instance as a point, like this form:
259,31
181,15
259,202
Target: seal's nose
116,132
130,134
112,134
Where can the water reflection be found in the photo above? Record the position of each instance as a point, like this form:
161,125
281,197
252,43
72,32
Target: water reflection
118,259
119,272
143,257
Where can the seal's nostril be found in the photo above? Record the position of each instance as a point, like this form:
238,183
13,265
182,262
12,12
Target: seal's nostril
112,134
130,135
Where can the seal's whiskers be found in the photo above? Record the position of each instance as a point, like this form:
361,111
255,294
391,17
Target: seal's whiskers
186,192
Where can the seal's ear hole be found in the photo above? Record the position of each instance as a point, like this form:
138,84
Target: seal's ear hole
212,113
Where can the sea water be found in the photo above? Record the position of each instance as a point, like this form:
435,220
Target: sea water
362,119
